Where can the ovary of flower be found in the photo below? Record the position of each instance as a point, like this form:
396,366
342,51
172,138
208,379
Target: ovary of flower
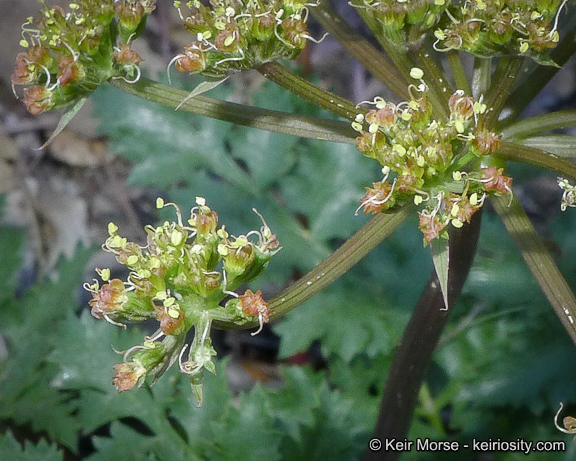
374,199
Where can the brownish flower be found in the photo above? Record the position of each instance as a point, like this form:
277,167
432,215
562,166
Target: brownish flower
430,226
37,99
253,304
127,375
108,299
496,180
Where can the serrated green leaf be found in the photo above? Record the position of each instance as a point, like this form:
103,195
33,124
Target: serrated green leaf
98,338
11,244
268,156
336,434
345,319
248,432
196,422
167,146
327,186
294,404
28,393
11,450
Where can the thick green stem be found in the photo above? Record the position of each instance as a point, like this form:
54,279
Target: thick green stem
481,77
536,157
530,126
420,338
264,119
307,91
539,261
502,82
440,87
338,263
370,57
458,71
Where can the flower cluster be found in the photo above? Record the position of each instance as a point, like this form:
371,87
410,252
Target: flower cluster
405,23
70,53
236,35
180,278
568,193
427,157
483,28
501,27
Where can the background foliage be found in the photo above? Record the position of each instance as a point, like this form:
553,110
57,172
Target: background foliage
501,371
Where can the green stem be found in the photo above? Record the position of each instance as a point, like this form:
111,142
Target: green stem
502,82
528,127
458,71
370,57
518,153
539,261
308,91
338,263
264,119
418,343
398,54
440,87
481,76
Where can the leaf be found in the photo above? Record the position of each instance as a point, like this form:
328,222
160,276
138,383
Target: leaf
338,432
327,186
248,432
441,258
65,119
11,450
11,245
167,146
295,404
348,320
197,422
268,155
26,378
